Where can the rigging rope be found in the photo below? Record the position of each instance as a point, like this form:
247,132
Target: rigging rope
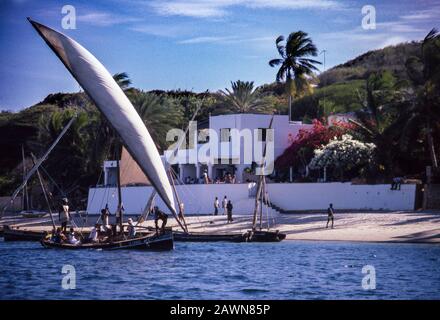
188,191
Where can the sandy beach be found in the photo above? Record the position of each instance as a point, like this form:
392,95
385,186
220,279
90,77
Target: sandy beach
420,226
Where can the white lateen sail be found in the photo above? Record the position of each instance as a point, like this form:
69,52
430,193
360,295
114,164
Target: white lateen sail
114,104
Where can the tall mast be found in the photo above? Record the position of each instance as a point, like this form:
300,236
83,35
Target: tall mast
43,188
179,203
24,177
38,162
263,190
257,203
118,169
260,182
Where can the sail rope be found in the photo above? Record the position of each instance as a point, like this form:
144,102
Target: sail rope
191,194
63,194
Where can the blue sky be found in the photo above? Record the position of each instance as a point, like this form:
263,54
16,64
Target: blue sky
190,44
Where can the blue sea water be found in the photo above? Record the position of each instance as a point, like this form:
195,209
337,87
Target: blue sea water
286,270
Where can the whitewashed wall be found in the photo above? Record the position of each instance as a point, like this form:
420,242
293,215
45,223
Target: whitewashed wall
314,196
199,199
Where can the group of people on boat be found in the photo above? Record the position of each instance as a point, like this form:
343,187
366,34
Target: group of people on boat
60,236
104,231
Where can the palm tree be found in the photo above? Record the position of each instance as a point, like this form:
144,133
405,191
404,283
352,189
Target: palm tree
376,120
70,162
122,80
295,64
243,98
160,114
424,106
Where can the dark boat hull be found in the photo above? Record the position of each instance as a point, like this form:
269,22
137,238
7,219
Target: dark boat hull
33,214
13,234
162,242
200,237
265,236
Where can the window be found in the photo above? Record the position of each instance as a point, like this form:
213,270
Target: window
225,135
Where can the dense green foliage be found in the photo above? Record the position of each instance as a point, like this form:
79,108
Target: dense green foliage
394,93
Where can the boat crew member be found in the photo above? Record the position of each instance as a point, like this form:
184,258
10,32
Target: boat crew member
105,213
330,213
94,233
229,207
131,229
160,215
64,215
224,205
181,211
216,206
72,239
119,210
56,236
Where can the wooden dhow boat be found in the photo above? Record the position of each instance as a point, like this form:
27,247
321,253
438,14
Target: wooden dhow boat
16,234
258,233
31,214
112,102
157,242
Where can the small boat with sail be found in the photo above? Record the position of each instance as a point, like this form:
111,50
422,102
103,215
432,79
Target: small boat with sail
158,242
27,211
112,102
260,234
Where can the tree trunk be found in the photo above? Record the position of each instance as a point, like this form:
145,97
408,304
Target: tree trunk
290,107
431,146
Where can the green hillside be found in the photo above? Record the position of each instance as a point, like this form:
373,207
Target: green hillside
340,88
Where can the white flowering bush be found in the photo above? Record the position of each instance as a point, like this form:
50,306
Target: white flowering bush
343,154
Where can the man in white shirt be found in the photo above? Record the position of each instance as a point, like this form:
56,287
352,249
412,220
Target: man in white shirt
224,205
93,236
64,215
216,206
72,239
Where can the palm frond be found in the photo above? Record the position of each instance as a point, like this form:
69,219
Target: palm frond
281,49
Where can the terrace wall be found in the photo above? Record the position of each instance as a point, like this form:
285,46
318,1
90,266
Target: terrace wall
198,199
317,196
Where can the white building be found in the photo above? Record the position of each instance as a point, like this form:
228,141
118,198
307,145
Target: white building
234,143
198,198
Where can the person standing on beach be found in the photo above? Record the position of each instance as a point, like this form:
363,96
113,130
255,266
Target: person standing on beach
64,215
216,206
229,208
224,205
330,213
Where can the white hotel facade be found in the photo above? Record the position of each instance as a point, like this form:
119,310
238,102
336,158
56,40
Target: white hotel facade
223,154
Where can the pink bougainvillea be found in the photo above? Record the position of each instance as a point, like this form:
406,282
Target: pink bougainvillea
300,152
